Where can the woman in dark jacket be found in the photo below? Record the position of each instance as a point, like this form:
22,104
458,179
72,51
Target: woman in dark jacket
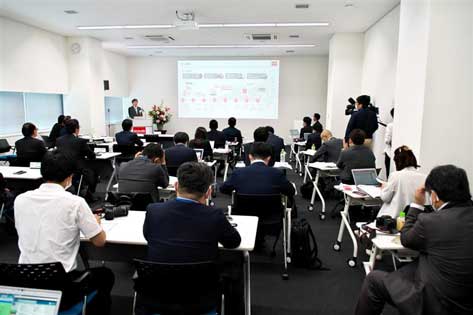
200,141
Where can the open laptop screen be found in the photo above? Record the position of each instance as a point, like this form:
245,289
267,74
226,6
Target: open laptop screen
23,301
365,176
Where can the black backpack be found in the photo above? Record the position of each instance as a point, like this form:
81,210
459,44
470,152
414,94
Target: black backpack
306,189
304,248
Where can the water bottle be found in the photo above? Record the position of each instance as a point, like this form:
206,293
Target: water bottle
283,155
313,147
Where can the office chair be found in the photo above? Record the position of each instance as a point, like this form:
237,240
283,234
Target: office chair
274,216
176,288
51,276
128,152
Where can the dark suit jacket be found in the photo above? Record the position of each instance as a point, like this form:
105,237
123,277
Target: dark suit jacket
55,133
355,157
246,154
231,133
305,130
278,145
317,124
315,140
198,144
258,179
329,151
128,138
177,155
183,231
364,119
75,147
29,150
218,137
132,112
142,175
62,132
441,281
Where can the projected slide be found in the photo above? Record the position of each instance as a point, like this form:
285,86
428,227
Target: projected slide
225,88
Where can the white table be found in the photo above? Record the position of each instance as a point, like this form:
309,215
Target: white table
8,172
129,231
305,160
222,154
280,165
324,169
111,157
352,197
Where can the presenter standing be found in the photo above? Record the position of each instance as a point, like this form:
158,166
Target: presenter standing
135,110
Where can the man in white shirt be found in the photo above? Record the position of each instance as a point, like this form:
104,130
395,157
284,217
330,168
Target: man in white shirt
49,221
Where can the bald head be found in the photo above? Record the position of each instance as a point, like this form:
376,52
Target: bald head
326,135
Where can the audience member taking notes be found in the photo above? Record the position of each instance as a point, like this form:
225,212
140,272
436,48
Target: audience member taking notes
200,141
127,137
215,135
259,135
314,140
56,130
231,133
330,149
29,149
180,153
276,142
49,221
306,128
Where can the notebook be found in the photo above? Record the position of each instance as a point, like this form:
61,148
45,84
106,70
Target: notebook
24,301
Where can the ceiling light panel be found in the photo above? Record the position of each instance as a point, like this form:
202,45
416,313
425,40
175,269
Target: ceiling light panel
220,46
213,25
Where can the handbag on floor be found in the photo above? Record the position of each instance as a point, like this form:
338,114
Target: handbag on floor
304,250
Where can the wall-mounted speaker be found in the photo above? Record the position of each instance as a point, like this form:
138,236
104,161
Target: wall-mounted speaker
106,85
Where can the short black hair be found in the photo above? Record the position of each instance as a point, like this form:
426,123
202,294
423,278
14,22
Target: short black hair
392,112
364,100
153,150
232,121
318,128
181,137
194,178
404,157
60,119
57,166
260,134
213,124
450,183
127,124
317,116
261,150
134,100
270,129
307,120
358,136
28,129
72,125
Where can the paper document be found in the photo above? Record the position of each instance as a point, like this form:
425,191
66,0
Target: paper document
372,191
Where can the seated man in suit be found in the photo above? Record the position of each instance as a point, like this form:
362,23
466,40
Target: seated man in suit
314,140
63,130
29,149
259,135
306,127
214,135
145,173
126,137
79,150
180,153
185,230
56,130
440,281
317,122
231,133
330,149
355,157
276,142
49,221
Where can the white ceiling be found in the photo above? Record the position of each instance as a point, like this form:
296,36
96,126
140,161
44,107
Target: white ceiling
49,15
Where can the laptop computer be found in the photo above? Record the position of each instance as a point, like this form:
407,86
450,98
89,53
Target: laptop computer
366,181
200,154
35,165
24,301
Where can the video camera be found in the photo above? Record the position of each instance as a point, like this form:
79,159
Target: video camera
111,212
350,108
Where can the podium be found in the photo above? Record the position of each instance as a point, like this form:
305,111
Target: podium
142,125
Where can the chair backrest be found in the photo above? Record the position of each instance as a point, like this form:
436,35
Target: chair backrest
40,276
186,288
268,208
4,146
139,200
128,152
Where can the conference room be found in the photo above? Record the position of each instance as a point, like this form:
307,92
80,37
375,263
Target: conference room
208,157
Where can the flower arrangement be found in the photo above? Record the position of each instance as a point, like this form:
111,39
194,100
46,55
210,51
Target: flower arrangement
161,114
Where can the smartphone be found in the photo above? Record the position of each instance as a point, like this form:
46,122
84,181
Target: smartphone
19,173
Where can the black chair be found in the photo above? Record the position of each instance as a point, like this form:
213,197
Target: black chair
4,146
50,276
139,200
176,289
274,217
128,152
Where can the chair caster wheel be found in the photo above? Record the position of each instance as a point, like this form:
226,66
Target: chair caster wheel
310,208
288,260
322,217
351,262
337,247
212,203
285,276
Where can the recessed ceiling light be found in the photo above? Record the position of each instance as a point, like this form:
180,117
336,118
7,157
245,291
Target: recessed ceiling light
294,36
71,12
302,6
220,46
214,25
115,27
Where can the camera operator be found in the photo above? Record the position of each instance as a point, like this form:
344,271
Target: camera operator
364,119
440,281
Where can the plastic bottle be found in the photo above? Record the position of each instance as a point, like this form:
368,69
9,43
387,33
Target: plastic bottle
283,155
313,147
400,221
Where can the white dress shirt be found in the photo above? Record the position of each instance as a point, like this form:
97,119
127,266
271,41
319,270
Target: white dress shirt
49,221
399,191
388,139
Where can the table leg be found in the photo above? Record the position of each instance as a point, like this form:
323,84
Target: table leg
342,222
247,274
372,261
226,171
114,175
322,199
312,198
352,261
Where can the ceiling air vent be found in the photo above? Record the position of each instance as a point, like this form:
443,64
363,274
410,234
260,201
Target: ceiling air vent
160,38
261,37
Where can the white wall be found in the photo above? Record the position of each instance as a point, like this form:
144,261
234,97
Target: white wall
115,69
32,60
303,86
379,71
